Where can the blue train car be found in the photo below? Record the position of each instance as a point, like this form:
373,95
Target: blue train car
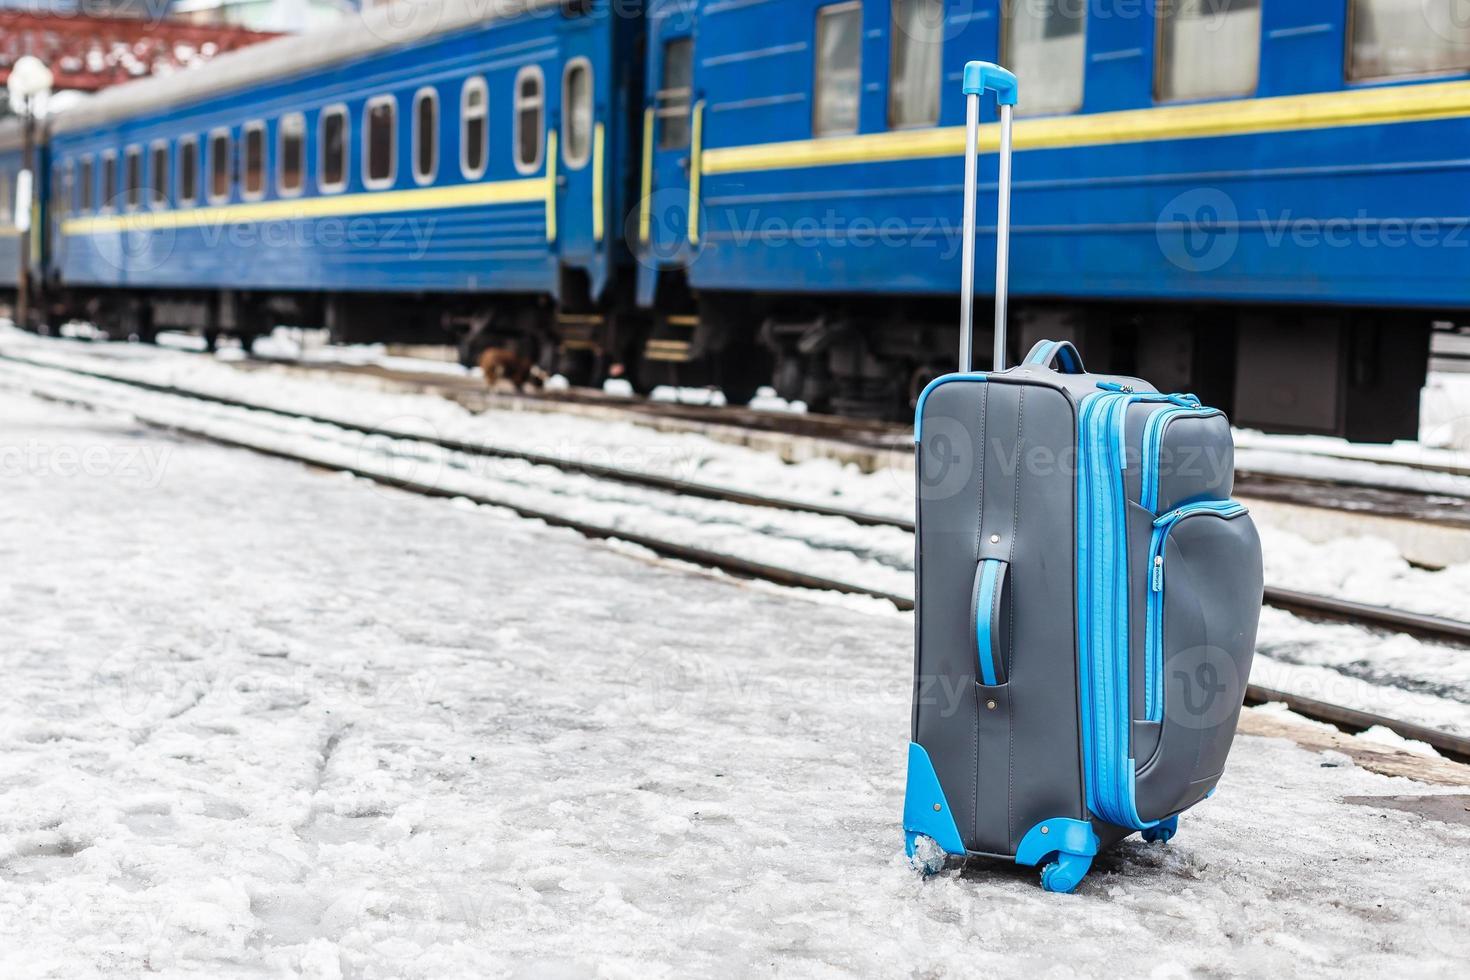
1212,192
1209,192
11,151
470,154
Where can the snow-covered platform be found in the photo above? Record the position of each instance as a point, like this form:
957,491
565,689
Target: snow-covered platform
257,718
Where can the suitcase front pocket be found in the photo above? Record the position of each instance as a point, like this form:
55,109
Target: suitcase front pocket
991,634
1201,475
1204,599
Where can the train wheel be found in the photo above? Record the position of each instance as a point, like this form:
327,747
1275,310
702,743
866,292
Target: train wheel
579,367
744,369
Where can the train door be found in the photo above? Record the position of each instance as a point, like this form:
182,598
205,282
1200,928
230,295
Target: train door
580,199
671,143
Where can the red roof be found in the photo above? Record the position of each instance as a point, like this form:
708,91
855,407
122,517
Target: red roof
91,53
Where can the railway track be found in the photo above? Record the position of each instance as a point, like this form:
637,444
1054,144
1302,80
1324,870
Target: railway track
1322,608
880,440
872,434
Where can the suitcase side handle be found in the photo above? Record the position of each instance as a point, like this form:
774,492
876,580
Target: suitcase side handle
989,593
981,77
1056,355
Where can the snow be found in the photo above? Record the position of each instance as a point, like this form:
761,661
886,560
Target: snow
1398,676
684,455
261,719
1363,568
1445,413
1387,736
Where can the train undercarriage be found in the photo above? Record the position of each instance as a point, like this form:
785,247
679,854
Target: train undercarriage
1355,373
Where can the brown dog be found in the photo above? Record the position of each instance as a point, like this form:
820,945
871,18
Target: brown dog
500,365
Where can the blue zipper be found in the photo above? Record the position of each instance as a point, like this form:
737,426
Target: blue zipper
1102,601
1153,443
1153,702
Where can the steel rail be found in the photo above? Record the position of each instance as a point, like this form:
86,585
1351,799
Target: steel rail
1348,719
1435,628
1423,626
688,488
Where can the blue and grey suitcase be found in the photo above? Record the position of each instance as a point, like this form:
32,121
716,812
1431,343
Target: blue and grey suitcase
1088,595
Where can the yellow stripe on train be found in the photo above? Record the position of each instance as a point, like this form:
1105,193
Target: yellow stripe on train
523,191
1323,110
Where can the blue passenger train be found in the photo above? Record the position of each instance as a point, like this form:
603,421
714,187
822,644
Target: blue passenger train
1258,200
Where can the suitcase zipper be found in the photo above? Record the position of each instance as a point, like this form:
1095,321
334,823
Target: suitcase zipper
1102,601
1153,445
1153,701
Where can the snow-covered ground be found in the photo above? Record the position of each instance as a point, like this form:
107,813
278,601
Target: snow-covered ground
259,719
1400,676
682,455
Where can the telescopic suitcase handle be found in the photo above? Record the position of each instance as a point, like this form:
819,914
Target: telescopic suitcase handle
982,77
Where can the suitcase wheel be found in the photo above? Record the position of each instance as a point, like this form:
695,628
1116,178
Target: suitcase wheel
1065,873
1162,832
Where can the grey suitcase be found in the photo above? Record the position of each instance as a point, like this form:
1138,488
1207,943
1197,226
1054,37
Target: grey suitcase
1088,595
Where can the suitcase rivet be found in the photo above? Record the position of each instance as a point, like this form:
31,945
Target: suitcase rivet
995,539
938,807
1046,830
990,705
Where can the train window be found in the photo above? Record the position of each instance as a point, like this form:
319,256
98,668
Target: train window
1208,48
916,47
65,178
188,171
1398,38
379,142
292,154
576,113
530,118
109,181
252,161
839,73
86,185
334,149
426,135
474,112
675,91
1045,44
134,176
158,173
219,165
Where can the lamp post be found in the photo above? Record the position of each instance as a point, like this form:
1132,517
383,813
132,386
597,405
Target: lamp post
29,80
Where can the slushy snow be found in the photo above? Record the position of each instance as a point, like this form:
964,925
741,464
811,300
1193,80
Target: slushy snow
260,719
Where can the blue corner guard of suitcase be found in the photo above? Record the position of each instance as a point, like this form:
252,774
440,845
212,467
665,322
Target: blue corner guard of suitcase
1070,844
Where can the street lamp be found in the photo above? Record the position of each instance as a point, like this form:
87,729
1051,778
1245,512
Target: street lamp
29,80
